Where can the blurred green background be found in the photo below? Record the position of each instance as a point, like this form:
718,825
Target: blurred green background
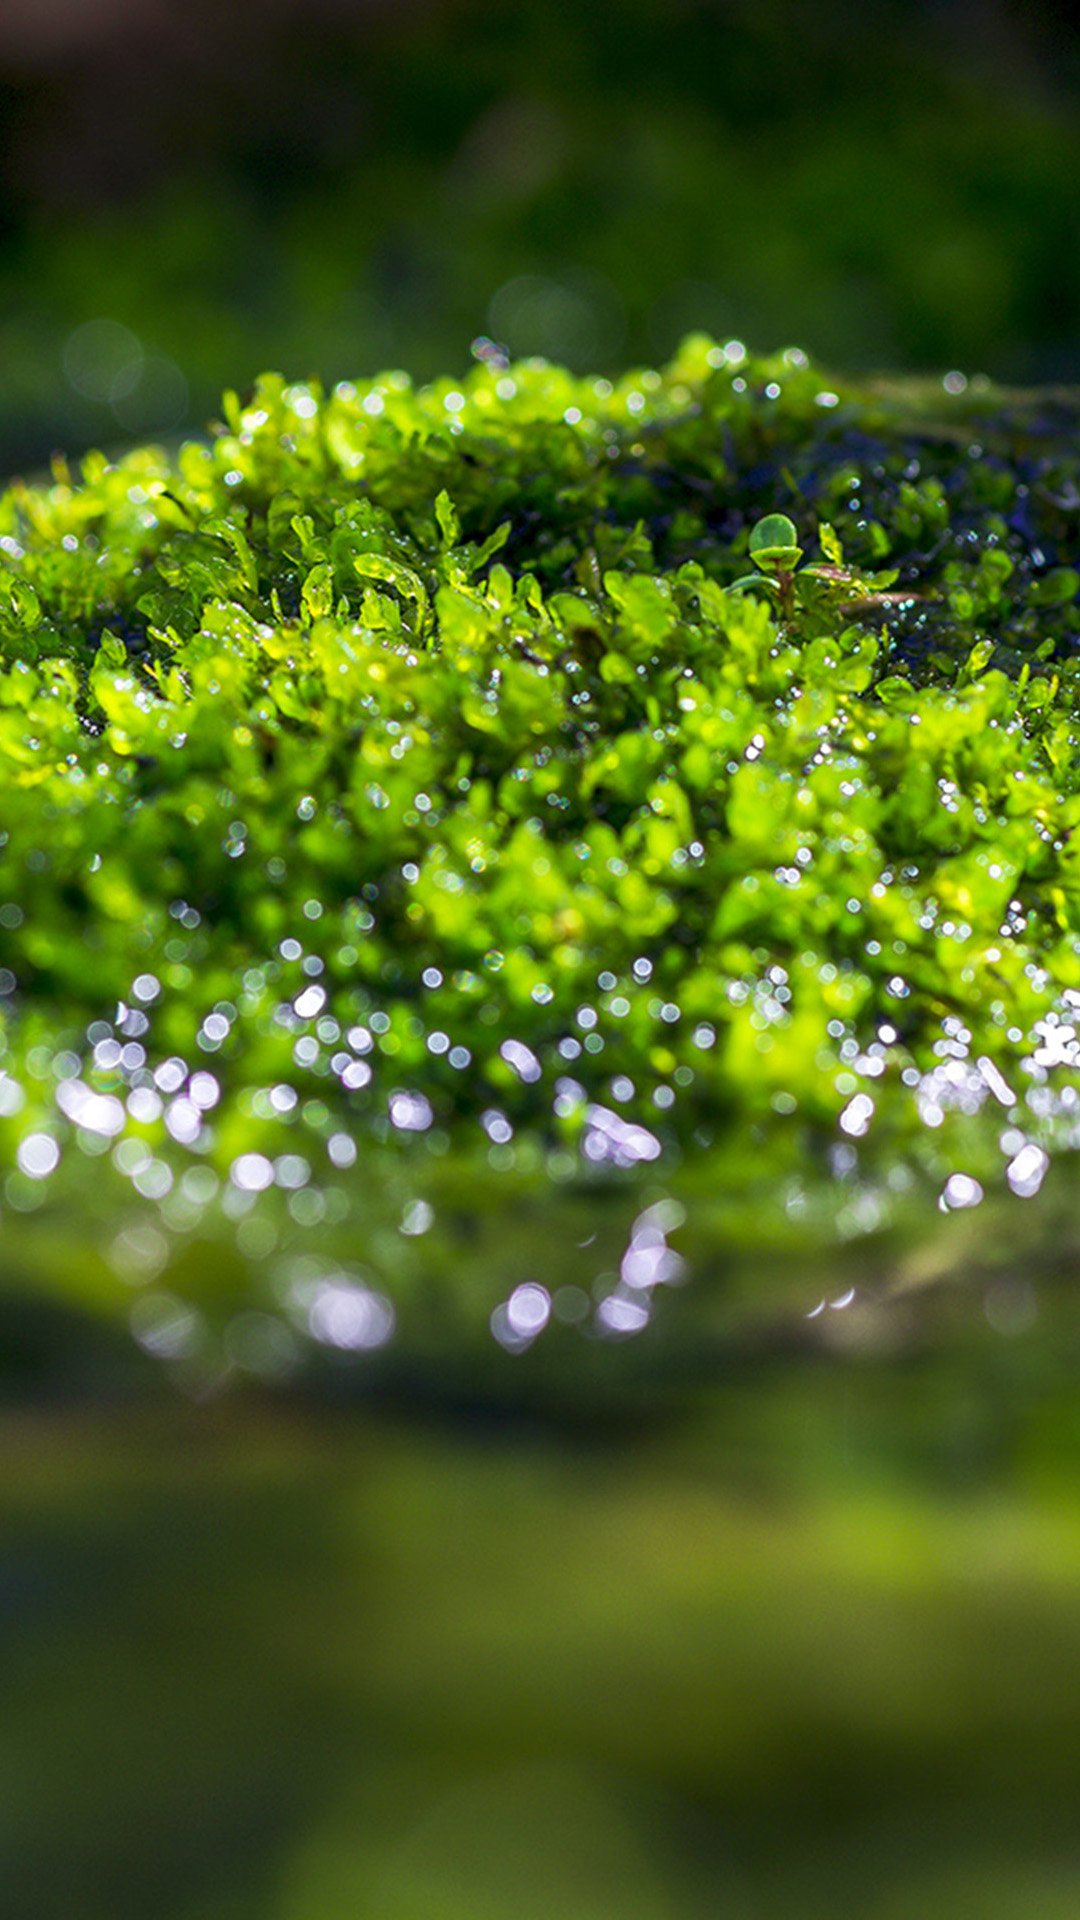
340,185
807,1643
811,1651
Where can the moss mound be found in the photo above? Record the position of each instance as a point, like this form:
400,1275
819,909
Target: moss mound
401,809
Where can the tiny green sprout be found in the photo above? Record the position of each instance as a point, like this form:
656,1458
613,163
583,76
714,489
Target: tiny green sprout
775,551
821,594
774,544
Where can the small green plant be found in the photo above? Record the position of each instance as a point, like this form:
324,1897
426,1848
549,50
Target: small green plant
828,589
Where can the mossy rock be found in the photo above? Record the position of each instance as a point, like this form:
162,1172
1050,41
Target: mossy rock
429,896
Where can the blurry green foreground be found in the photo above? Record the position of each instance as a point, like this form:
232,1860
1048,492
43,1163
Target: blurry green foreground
810,1653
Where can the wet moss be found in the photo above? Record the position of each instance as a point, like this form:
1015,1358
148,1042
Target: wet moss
398,801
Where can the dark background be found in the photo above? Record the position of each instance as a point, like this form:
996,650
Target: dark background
333,186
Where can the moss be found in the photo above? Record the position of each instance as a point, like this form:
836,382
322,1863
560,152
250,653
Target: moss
398,801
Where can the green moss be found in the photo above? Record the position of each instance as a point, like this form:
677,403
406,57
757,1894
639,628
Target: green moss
398,802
